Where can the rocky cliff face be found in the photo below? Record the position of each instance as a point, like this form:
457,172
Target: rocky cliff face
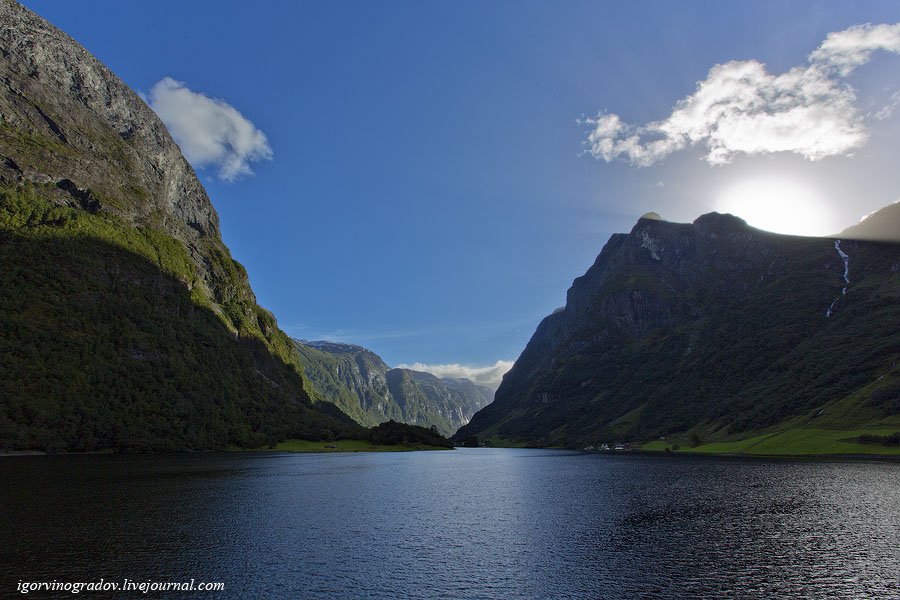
351,377
711,326
69,124
359,382
426,400
472,397
56,91
124,321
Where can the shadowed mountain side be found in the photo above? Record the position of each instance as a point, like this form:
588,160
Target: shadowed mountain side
102,348
84,162
714,328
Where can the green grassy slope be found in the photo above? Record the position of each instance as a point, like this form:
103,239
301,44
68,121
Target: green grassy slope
835,428
105,343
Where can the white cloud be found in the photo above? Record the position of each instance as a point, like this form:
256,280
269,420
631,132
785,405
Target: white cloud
845,50
209,131
888,109
488,376
741,108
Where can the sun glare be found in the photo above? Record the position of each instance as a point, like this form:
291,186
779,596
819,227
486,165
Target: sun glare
777,204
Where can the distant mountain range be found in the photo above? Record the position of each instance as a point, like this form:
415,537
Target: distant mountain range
359,382
716,335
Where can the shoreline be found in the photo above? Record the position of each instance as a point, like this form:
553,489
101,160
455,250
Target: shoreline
833,457
287,446
22,453
403,448
343,446
854,456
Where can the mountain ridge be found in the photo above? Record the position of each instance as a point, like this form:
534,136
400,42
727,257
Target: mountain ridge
712,329
361,384
883,225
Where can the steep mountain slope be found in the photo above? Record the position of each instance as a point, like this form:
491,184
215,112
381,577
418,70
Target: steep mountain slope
350,377
427,400
359,382
475,396
708,331
883,225
125,321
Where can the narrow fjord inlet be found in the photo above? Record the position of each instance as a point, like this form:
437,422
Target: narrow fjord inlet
593,300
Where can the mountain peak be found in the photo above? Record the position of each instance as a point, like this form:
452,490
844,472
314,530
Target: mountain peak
718,220
332,347
710,326
883,225
712,222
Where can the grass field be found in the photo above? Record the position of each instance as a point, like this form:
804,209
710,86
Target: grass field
346,446
804,441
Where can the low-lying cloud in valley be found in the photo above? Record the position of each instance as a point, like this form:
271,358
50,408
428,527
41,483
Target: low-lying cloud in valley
741,108
488,376
209,131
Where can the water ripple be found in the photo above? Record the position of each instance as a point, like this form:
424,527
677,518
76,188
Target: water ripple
479,523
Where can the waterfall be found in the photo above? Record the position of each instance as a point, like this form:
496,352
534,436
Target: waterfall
846,259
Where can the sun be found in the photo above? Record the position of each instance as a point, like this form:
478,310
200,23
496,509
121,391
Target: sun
778,204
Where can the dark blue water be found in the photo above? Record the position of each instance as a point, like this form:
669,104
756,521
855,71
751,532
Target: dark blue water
477,523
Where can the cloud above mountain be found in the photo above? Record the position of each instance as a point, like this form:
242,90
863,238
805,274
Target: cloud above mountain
740,108
209,131
489,376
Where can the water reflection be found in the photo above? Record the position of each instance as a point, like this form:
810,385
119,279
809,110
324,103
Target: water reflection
476,523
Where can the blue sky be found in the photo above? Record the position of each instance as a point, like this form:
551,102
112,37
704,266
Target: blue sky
431,190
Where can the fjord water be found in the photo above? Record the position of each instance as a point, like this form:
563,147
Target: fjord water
473,523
